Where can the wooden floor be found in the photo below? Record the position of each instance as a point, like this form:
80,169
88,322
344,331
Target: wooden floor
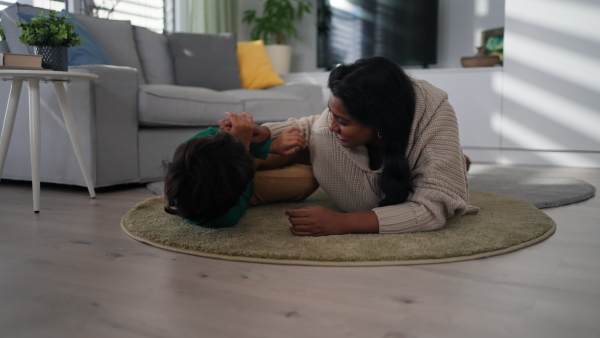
70,271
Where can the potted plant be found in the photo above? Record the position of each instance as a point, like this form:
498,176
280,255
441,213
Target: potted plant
3,43
276,27
51,36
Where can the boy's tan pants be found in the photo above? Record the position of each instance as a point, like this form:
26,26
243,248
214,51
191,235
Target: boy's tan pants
280,178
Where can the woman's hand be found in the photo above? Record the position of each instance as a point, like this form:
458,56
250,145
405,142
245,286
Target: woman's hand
320,221
315,221
242,126
289,142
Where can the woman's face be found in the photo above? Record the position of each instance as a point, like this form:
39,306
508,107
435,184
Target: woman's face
350,132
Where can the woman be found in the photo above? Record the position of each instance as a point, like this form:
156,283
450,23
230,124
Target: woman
386,150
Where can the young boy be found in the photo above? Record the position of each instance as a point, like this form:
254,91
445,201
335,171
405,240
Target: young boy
212,180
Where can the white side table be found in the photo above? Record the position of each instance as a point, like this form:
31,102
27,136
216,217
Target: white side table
33,77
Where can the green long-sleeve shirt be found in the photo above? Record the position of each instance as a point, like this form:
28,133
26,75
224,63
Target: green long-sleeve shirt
257,150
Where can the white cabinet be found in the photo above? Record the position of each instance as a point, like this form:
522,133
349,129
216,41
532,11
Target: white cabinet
475,94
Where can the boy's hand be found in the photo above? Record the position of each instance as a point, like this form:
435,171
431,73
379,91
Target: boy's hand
225,124
289,142
260,134
242,126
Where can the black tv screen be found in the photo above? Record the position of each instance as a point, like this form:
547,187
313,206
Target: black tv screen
402,30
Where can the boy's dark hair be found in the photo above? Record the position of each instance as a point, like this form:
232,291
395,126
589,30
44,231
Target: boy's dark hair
207,177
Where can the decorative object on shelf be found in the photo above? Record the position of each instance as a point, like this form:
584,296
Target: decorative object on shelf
51,36
492,41
480,60
275,27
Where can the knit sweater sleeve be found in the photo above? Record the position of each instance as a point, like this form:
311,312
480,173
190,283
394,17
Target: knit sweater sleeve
438,177
304,123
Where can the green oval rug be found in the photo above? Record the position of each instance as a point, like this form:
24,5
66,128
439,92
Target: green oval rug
504,224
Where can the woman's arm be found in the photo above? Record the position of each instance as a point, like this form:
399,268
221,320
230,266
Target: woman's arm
320,221
304,123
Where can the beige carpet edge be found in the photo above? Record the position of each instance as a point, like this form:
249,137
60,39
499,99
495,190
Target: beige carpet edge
519,246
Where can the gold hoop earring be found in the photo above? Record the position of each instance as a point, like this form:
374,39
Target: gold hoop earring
378,135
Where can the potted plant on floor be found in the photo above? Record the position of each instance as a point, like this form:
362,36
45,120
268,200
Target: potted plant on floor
51,36
276,26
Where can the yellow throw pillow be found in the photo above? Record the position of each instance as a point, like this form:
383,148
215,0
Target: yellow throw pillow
256,70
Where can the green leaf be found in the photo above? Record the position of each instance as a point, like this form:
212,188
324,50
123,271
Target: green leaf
276,22
49,30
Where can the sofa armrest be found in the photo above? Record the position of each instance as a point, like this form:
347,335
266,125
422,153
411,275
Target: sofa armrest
115,121
105,113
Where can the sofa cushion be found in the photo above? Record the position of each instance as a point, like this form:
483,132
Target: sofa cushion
271,106
116,39
256,70
9,19
155,57
170,105
205,60
88,53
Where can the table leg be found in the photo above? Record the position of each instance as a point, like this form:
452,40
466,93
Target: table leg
34,139
9,120
61,93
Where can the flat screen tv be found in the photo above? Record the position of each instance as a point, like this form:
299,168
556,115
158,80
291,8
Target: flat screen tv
402,30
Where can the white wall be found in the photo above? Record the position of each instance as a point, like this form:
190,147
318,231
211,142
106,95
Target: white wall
460,25
551,92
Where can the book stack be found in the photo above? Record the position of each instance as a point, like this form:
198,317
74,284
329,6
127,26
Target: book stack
20,61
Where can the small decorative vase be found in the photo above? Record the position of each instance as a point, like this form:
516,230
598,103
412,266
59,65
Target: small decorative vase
53,57
281,57
3,46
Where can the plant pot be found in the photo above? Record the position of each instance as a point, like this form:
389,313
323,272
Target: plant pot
53,57
281,57
3,46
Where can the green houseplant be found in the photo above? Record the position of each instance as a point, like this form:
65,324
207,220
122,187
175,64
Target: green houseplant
3,44
276,26
2,36
277,21
50,35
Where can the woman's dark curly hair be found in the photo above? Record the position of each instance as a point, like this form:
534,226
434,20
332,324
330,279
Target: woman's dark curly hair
207,177
379,94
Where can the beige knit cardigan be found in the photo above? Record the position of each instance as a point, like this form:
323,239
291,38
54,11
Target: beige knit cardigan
438,171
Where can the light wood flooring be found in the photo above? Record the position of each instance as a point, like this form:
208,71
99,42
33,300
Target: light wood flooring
71,271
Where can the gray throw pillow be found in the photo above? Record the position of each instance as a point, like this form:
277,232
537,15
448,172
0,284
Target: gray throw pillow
205,60
155,56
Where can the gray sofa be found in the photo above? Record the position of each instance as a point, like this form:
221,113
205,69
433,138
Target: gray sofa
160,90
